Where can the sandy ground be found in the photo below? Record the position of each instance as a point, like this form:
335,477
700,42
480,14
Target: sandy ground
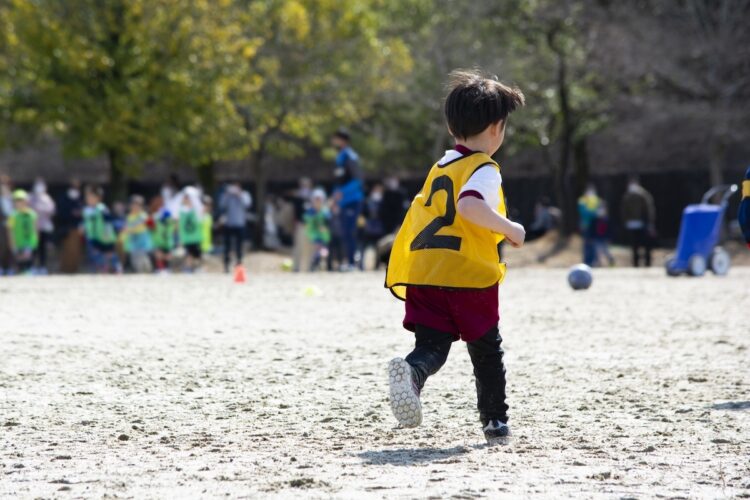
191,386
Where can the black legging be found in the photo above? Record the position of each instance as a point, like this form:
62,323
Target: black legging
41,252
236,236
431,351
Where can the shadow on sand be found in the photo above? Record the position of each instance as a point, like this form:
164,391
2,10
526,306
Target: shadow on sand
411,456
732,405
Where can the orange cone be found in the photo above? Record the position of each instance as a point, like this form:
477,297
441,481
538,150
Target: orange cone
239,274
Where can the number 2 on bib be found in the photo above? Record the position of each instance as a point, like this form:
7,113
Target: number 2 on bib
428,237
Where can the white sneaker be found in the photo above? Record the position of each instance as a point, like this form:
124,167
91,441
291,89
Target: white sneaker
404,393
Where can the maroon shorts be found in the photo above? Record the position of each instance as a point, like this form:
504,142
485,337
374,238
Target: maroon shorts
467,314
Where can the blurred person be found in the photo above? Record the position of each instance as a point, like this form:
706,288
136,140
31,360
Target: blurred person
23,232
588,208
302,249
234,205
163,235
336,252
271,238
373,226
190,230
207,226
68,222
42,203
169,192
601,234
284,219
6,210
638,215
544,221
317,231
348,181
394,205
137,237
100,232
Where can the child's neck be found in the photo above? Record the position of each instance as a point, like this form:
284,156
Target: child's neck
477,144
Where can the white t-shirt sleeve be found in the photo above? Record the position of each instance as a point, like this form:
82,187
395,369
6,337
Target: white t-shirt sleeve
485,181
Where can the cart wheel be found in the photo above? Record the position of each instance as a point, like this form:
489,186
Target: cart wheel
669,266
697,265
720,261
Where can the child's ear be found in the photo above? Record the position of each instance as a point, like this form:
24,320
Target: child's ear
500,127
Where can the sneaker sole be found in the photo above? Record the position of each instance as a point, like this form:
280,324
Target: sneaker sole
404,400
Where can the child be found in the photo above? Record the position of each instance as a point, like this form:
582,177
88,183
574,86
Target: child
190,231
136,236
445,262
207,226
163,236
601,235
100,233
23,233
316,220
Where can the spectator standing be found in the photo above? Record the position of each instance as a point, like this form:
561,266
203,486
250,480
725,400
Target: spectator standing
317,218
136,236
588,208
639,218
6,210
234,204
349,184
44,206
394,205
336,254
23,232
69,217
302,251
373,229
601,230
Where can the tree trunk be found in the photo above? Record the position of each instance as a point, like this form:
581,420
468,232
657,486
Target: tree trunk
259,201
581,156
118,182
562,188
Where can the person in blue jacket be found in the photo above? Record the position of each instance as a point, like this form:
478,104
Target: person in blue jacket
349,193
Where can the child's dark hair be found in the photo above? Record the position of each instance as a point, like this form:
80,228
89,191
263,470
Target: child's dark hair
476,101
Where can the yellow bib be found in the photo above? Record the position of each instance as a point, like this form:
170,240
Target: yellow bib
435,245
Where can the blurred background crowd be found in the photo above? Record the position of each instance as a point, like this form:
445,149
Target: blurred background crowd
238,101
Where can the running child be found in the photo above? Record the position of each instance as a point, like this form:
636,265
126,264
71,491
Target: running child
190,232
100,233
316,219
23,234
136,236
445,261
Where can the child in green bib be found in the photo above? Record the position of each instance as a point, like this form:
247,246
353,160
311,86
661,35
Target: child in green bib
100,233
190,232
22,231
163,236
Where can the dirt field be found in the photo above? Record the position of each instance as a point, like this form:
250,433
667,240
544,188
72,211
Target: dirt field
188,386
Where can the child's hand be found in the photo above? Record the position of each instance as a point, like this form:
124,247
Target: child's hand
516,235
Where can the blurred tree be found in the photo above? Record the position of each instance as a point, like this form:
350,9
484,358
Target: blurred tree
542,46
317,64
130,79
568,100
695,53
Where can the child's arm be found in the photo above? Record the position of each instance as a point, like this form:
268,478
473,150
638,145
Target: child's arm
476,211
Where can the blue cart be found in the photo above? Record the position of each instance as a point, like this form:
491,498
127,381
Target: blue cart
699,234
